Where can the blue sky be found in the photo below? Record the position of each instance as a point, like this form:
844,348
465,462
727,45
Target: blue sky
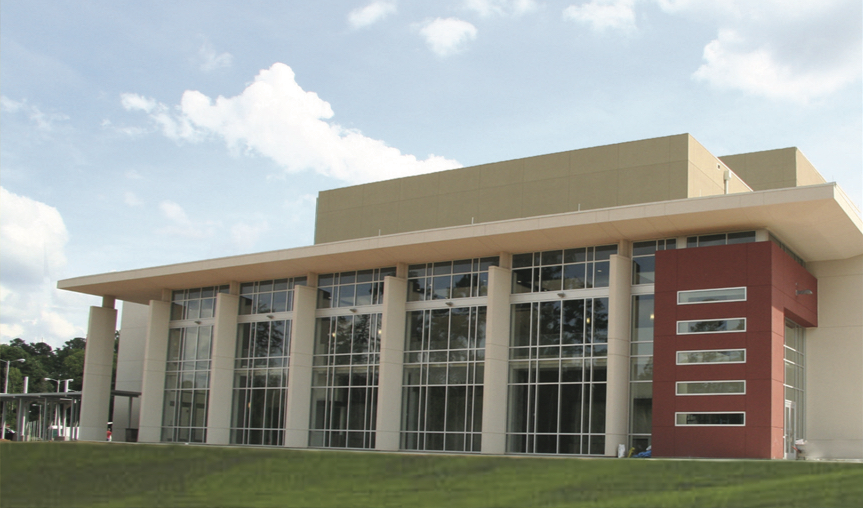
146,133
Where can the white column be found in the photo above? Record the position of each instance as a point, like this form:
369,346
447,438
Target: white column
619,329
392,357
130,367
98,365
222,369
153,381
496,361
300,368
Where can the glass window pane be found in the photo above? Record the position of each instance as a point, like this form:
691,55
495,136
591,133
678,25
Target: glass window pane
644,248
346,296
644,270
551,279
522,280
712,295
642,318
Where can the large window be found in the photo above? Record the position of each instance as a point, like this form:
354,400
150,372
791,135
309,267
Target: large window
720,239
641,373
197,303
449,279
557,377
443,379
795,372
711,326
711,356
736,419
644,259
693,296
557,270
711,387
268,296
187,384
261,382
345,381
352,289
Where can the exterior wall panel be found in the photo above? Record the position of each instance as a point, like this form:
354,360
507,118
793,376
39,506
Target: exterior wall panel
772,279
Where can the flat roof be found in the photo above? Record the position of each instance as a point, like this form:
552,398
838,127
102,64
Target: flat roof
819,222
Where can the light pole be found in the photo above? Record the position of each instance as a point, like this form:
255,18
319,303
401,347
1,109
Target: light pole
6,390
66,384
56,381
7,362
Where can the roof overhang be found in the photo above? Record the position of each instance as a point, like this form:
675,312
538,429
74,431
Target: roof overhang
818,222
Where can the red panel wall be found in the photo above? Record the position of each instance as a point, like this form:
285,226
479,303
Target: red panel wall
772,279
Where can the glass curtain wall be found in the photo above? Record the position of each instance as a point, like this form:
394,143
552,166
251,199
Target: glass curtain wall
557,379
187,384
261,382
449,279
443,379
187,367
261,362
345,381
352,289
795,372
641,373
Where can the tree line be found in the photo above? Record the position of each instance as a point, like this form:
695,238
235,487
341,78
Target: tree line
42,362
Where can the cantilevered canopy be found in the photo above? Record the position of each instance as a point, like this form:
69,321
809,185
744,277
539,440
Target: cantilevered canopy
818,222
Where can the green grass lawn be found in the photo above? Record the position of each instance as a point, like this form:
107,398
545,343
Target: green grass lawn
92,474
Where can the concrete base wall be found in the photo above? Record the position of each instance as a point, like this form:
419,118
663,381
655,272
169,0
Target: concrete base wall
98,367
130,367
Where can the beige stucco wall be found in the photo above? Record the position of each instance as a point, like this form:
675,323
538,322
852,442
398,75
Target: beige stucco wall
130,366
834,355
646,171
774,169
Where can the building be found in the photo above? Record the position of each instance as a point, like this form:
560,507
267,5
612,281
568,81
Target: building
643,293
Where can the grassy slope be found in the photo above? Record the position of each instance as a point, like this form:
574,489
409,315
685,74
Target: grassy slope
108,475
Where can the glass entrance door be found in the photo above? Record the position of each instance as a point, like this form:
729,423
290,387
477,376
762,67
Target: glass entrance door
790,429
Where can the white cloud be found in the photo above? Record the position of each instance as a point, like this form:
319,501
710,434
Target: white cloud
173,124
603,15
276,118
366,16
131,174
245,236
211,61
789,50
33,238
131,199
796,53
135,102
45,122
447,36
181,225
487,8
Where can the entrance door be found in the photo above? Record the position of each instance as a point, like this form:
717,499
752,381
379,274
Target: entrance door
790,429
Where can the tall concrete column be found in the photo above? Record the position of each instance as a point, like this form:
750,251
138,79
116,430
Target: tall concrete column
619,330
98,365
496,361
392,356
300,369
130,367
222,369
153,382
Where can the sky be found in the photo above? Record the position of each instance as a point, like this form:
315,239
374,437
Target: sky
144,133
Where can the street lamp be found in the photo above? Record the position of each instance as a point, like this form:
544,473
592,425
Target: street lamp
66,385
6,390
6,383
56,381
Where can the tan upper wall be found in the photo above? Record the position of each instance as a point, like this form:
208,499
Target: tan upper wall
646,171
774,169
